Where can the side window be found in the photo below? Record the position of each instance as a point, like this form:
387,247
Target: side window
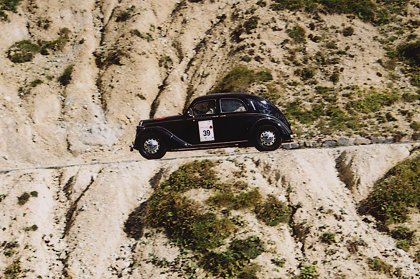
232,105
204,107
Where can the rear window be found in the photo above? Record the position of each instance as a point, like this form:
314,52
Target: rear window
232,105
266,107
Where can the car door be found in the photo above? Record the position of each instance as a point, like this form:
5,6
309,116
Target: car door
201,128
233,121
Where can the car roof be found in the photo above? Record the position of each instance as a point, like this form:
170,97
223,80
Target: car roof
227,95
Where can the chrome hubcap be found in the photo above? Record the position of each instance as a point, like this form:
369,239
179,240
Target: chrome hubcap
267,138
151,146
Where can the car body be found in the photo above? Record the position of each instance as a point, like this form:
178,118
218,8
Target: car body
215,120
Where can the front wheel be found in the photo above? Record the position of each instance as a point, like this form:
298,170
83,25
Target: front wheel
267,138
152,147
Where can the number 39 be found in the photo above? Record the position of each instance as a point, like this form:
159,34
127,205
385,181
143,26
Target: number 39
206,133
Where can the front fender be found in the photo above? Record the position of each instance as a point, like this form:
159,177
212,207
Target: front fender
171,140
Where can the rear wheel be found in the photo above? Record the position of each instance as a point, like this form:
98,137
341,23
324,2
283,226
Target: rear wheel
267,138
152,146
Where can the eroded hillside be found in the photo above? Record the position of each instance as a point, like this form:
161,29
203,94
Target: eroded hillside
76,77
89,221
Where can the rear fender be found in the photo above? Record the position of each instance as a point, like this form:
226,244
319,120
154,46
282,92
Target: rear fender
282,127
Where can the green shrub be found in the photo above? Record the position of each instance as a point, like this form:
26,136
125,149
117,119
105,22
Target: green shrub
13,271
66,77
126,15
348,31
393,195
364,9
405,237
272,212
184,223
113,57
8,5
31,228
23,51
297,33
251,24
410,52
240,78
233,261
36,82
22,199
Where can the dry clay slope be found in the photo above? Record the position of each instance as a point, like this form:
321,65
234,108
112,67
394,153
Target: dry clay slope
79,213
136,59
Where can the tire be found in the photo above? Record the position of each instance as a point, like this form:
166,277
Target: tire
152,146
267,138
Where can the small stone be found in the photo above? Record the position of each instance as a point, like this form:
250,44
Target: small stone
310,144
362,141
329,143
290,145
344,142
377,140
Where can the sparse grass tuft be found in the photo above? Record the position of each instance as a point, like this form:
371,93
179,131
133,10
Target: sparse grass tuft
308,272
240,78
364,9
229,200
297,33
376,264
404,236
392,196
272,211
66,77
373,102
195,175
328,238
279,262
294,111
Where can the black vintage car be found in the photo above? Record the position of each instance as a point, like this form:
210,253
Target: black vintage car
215,120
